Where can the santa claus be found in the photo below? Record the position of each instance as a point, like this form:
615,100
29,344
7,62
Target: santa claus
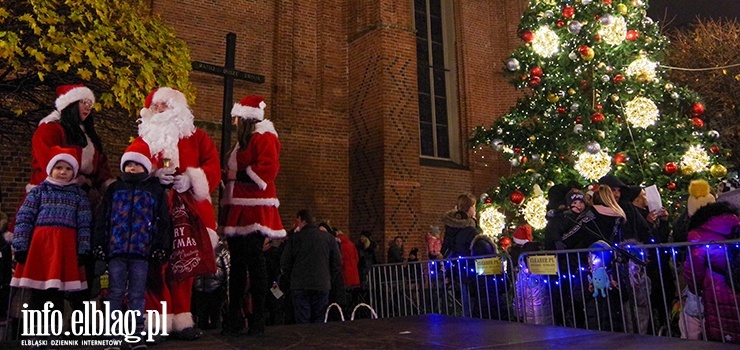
187,159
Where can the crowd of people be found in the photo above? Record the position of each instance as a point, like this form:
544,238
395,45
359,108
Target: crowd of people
138,226
141,229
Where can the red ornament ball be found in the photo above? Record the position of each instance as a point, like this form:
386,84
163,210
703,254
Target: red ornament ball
534,81
620,158
536,71
697,122
697,109
505,242
561,110
670,168
517,197
632,35
618,79
517,150
671,186
714,149
597,118
527,36
598,107
597,37
608,2
568,12
488,200
578,119
583,50
560,24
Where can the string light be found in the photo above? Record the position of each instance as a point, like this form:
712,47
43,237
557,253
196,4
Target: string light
535,211
642,69
641,112
694,160
492,221
615,32
593,166
545,42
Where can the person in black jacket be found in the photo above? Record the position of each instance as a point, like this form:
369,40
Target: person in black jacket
310,259
460,227
635,226
132,227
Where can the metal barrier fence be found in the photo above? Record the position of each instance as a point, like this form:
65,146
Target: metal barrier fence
677,290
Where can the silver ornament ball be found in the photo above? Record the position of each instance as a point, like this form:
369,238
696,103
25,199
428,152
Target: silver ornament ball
512,64
593,147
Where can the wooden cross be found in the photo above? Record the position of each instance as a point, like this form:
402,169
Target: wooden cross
229,74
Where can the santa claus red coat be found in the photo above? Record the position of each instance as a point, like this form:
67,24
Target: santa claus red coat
253,207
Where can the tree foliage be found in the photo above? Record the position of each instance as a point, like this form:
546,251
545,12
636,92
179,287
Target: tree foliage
710,50
597,101
114,47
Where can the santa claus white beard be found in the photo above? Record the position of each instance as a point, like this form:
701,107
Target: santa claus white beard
162,132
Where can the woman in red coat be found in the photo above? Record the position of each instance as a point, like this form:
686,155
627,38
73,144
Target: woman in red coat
252,205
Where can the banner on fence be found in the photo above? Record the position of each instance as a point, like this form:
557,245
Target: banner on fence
543,264
489,266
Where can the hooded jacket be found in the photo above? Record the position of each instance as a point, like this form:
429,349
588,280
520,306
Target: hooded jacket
459,233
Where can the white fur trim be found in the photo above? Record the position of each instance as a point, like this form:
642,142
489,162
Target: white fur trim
72,96
247,112
520,241
87,159
252,175
29,187
265,126
182,321
199,183
254,202
71,286
214,239
137,157
65,157
52,117
170,96
245,230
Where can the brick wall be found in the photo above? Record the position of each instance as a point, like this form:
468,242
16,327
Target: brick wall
340,85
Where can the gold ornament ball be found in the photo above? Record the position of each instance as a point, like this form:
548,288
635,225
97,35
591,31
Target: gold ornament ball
622,9
571,91
553,98
615,97
602,134
686,170
718,171
532,138
668,87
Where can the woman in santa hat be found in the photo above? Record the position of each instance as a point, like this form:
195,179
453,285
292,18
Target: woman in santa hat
251,201
52,233
71,125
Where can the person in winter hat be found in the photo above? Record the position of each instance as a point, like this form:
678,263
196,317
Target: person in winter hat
251,201
635,226
186,158
132,227
434,243
699,196
55,217
367,251
560,223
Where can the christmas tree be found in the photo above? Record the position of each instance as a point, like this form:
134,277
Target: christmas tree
596,102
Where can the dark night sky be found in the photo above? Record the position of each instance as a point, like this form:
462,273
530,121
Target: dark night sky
686,11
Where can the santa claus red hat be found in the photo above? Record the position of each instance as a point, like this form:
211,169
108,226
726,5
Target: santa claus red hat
69,94
68,155
137,152
250,107
173,97
523,234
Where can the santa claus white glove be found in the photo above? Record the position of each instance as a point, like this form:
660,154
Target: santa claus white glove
182,183
166,175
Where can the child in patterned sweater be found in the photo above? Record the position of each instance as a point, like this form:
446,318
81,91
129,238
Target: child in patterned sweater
52,234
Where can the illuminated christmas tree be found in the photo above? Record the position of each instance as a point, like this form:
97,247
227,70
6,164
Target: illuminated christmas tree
597,102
